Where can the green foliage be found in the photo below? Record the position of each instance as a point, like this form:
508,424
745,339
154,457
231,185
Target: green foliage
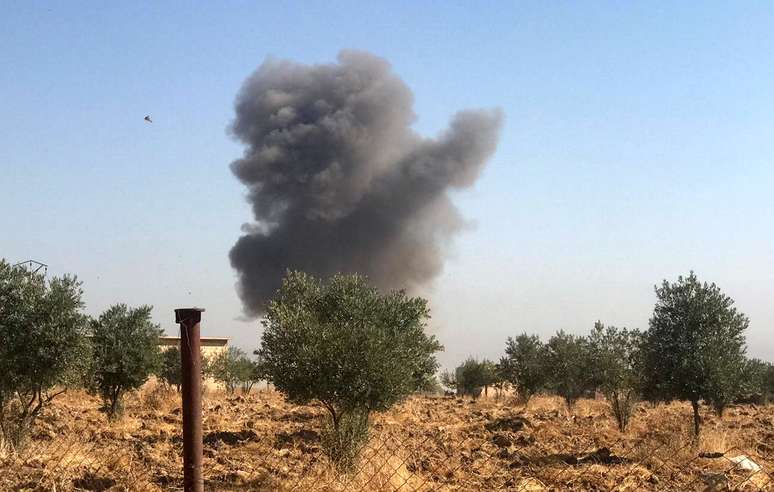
126,352
489,375
767,383
569,367
695,347
524,365
616,364
471,376
345,345
501,377
429,385
42,345
171,367
757,382
342,443
449,380
234,369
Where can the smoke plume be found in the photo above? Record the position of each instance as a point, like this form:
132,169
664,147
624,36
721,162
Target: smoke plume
339,182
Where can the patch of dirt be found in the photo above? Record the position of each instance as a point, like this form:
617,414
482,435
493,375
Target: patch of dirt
260,442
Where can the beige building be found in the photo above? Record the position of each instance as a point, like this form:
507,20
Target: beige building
210,345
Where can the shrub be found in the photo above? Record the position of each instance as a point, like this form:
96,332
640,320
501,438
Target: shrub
43,349
344,344
126,353
695,348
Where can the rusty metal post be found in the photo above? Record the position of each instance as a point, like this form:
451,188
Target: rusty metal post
189,319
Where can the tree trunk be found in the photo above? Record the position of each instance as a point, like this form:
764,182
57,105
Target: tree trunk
696,419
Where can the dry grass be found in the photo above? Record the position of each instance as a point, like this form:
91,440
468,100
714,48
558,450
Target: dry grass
260,442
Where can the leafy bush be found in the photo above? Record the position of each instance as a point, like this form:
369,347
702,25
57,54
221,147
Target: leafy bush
344,344
695,347
126,352
43,348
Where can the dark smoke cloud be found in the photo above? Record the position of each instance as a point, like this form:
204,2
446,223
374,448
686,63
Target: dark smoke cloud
339,182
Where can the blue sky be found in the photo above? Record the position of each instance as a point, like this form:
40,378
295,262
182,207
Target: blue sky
637,146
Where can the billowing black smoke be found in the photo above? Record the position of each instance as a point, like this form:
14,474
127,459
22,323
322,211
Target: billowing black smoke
339,182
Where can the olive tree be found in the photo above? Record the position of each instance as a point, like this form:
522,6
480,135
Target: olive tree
449,380
757,382
524,365
568,366
347,346
43,348
472,376
126,352
695,347
615,360
170,370
233,368
489,375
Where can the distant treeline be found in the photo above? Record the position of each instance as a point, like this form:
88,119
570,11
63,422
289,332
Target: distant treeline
693,350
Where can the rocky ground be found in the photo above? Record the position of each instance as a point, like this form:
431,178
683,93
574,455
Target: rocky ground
260,442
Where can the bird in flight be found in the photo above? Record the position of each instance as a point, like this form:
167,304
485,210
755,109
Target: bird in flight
148,119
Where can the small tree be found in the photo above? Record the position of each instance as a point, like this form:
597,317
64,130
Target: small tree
524,365
43,349
757,382
488,375
449,380
767,383
615,356
695,347
126,353
430,386
471,377
233,368
171,371
569,367
250,372
171,368
501,378
344,344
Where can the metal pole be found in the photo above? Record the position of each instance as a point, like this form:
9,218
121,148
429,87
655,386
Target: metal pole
189,319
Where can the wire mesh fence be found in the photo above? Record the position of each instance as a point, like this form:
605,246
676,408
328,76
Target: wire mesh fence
432,445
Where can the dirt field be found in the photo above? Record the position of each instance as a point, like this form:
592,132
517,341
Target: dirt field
259,442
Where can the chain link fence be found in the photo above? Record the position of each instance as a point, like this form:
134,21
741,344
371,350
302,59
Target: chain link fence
491,449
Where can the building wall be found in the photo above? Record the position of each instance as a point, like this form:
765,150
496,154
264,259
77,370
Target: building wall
210,347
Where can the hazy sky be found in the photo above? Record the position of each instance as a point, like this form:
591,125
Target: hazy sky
638,144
